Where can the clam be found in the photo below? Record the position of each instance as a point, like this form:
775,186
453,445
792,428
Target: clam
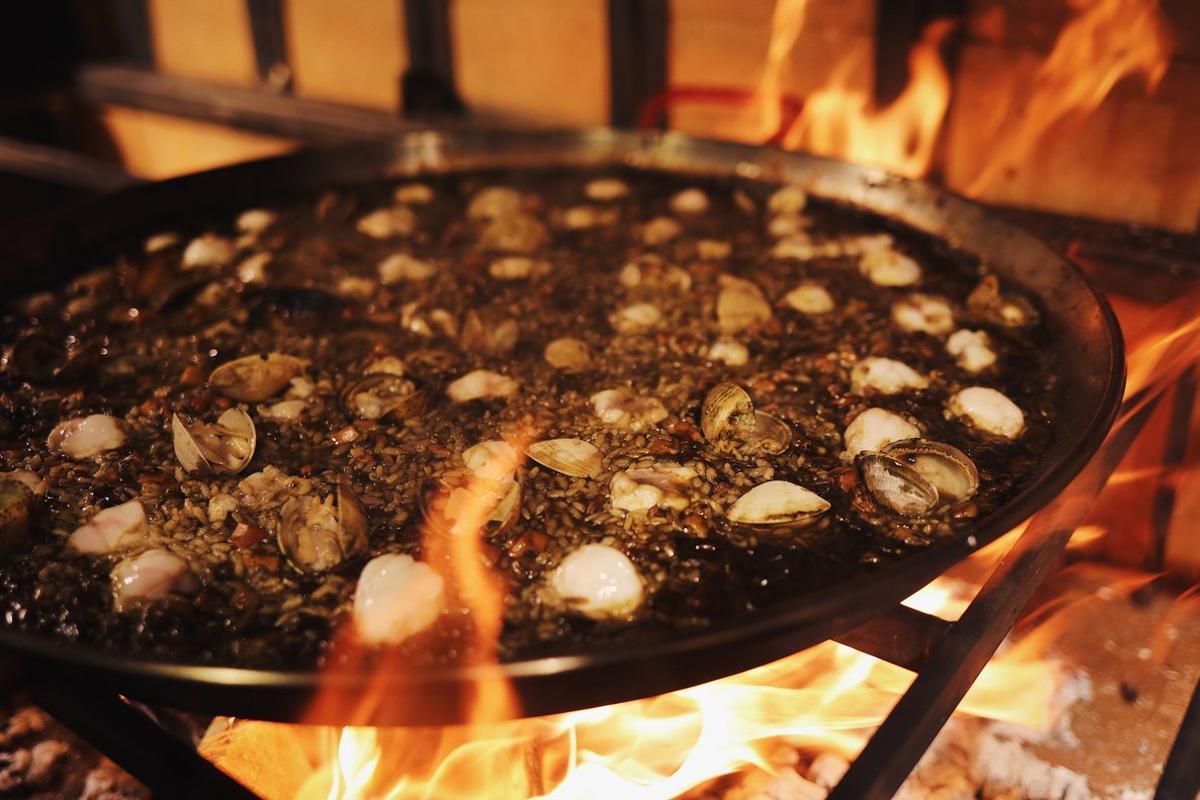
606,189
1007,310
492,460
971,349
496,505
771,434
149,576
728,412
568,355
382,394
987,410
16,503
388,223
252,379
481,384
663,484
896,485
396,597
741,305
946,468
86,437
625,408
573,457
484,331
495,202
317,535
778,503
223,449
598,581
42,360
519,234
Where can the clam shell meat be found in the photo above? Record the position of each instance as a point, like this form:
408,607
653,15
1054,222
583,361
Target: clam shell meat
946,468
778,503
728,412
252,379
382,394
317,536
897,486
223,449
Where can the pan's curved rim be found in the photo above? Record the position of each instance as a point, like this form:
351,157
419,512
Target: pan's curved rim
785,627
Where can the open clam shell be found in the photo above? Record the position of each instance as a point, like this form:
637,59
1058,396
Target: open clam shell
895,485
381,394
573,457
727,413
224,448
946,468
778,503
254,378
771,435
317,536
444,509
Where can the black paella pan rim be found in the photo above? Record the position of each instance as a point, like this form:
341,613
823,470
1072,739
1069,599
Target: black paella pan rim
1080,324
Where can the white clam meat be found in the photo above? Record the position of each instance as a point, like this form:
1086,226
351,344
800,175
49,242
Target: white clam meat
777,503
636,318
400,267
517,268
689,201
480,384
885,375
396,597
159,242
809,298
660,230
661,485
208,250
87,437
730,352
713,249
112,529
598,581
494,202
605,189
493,460
253,269
413,194
802,247
626,409
256,220
875,428
782,225
988,410
151,575
568,355
787,200
252,379
972,350
887,267
224,448
741,305
923,313
388,223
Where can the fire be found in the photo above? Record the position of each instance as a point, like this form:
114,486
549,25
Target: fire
1107,41
825,699
843,122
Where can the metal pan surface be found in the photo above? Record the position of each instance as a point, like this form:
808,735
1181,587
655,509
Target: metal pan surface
1079,323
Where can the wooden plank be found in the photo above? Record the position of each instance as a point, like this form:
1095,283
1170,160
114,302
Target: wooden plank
158,146
350,53
205,39
543,62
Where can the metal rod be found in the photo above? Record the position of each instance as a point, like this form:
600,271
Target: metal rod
637,44
249,109
1181,772
61,167
428,85
166,765
270,45
1175,451
903,636
953,666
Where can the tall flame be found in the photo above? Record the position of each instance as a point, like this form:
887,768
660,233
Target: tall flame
1107,41
843,122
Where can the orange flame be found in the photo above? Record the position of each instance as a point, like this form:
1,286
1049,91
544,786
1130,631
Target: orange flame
842,122
1107,41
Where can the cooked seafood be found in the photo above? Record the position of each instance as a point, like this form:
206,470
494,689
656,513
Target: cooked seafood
656,401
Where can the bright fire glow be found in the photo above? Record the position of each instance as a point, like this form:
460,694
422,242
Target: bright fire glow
1107,41
843,122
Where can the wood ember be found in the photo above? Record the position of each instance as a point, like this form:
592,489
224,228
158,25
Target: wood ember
42,760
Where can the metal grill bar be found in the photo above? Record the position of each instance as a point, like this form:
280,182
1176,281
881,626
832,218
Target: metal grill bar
953,666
